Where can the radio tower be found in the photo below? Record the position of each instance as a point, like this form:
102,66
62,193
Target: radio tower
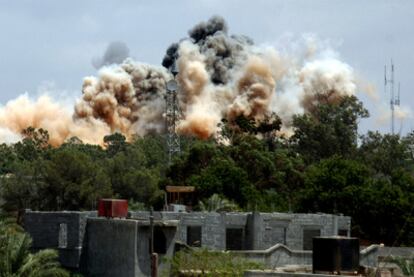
172,115
389,88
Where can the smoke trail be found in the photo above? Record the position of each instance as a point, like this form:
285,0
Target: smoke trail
221,76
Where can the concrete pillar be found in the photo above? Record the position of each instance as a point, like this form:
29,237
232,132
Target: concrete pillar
334,225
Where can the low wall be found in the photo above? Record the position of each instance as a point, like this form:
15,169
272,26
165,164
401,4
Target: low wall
267,273
277,256
280,255
375,253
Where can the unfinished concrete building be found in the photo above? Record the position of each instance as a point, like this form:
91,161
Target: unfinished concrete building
99,246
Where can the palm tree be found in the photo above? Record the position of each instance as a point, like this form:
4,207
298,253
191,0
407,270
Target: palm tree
217,203
16,259
406,264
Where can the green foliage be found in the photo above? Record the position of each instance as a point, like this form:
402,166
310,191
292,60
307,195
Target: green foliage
16,259
224,177
136,206
406,264
34,144
210,263
115,143
95,152
386,213
71,180
380,207
136,172
383,153
321,168
216,203
8,157
329,130
332,185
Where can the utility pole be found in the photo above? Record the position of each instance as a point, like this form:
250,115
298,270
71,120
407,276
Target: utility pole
389,88
172,115
154,256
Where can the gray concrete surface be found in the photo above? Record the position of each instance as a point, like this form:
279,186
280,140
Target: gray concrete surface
267,273
111,248
120,247
277,256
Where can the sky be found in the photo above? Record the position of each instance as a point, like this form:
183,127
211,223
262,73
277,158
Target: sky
49,45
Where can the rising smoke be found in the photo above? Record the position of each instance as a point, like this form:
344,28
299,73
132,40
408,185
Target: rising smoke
115,53
221,76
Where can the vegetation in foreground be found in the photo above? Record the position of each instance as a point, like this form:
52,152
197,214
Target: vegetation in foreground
17,260
210,263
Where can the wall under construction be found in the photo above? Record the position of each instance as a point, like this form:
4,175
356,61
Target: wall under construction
100,246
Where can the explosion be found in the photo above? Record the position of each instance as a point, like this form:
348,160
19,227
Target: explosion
220,76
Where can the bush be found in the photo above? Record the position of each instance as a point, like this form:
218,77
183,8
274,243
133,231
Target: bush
210,263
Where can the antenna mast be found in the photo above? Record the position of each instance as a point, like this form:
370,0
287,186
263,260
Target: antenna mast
172,115
389,88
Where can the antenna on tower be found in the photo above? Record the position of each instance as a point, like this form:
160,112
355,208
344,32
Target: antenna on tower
172,115
389,87
397,100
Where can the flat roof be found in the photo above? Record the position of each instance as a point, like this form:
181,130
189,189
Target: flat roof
180,188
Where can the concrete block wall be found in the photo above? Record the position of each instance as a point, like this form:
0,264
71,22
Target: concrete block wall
326,223
267,229
46,227
260,231
213,225
120,247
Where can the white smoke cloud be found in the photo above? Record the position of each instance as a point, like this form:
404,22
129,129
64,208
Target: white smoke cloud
8,136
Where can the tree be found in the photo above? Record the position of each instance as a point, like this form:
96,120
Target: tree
224,177
71,180
242,125
383,153
8,157
192,162
248,152
385,213
131,179
330,130
288,177
216,203
16,259
115,143
33,145
333,186
154,150
95,152
380,208
20,189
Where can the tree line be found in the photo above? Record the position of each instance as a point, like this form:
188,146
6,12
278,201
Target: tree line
325,166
